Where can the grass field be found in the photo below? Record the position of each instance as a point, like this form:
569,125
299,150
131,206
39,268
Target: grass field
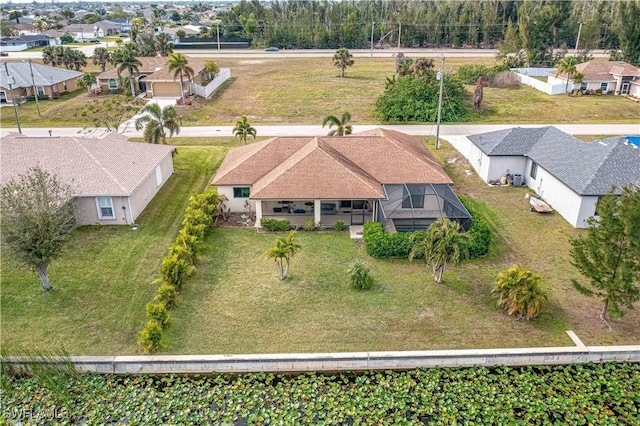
305,90
235,302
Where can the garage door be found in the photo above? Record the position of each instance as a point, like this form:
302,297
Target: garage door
166,89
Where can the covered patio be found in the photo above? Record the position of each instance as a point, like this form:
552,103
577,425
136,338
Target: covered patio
327,212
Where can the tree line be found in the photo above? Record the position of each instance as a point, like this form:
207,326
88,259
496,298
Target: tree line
539,27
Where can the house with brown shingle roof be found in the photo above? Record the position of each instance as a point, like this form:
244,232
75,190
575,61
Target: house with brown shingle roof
378,175
113,179
613,77
155,78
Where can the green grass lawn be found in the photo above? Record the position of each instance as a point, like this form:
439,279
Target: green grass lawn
104,277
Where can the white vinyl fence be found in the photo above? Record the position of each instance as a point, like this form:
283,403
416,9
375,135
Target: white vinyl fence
526,77
207,91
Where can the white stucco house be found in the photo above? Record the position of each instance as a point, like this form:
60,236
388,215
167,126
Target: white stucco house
569,174
113,180
609,77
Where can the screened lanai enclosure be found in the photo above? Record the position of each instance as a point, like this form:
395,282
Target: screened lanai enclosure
414,207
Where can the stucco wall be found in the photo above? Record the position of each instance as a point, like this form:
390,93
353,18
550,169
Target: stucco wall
148,189
235,204
87,211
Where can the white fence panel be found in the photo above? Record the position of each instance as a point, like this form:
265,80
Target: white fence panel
207,91
526,77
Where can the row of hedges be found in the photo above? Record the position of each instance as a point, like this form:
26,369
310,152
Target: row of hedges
597,394
380,243
468,74
177,266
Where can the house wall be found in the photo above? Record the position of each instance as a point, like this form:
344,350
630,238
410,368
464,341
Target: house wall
13,46
571,206
235,204
149,187
87,211
488,168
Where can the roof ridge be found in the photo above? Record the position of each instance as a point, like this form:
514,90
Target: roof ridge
421,157
601,163
259,146
347,164
102,167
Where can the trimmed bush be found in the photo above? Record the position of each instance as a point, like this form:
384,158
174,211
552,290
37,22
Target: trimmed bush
167,294
339,226
150,338
380,243
158,312
309,224
359,276
275,225
479,232
176,268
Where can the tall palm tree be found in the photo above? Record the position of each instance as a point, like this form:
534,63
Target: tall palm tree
567,65
282,252
342,59
87,80
179,64
157,121
442,244
342,128
102,57
124,60
212,69
518,292
243,129
163,44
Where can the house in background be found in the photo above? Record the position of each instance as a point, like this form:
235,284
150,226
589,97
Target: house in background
113,179
49,81
18,44
379,175
613,77
569,174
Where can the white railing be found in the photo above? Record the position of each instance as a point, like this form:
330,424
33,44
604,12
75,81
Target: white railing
207,91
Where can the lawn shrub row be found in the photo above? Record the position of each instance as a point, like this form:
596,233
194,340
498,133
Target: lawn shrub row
275,225
177,266
597,394
479,231
380,243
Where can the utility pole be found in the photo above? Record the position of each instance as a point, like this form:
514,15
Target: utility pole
441,72
578,39
373,24
218,32
13,98
35,92
399,35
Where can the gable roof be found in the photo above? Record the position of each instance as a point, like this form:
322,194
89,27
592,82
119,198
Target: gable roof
588,168
43,75
349,167
602,70
156,68
110,166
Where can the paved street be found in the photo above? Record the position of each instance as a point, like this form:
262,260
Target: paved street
296,130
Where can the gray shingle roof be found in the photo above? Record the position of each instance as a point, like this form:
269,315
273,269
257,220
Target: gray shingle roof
43,75
588,168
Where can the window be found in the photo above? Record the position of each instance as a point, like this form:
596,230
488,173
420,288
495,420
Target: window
345,204
241,192
358,204
105,208
113,84
534,170
64,85
158,176
413,197
583,86
604,87
40,90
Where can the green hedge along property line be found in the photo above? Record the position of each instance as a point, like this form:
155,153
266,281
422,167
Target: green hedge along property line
380,243
598,394
177,266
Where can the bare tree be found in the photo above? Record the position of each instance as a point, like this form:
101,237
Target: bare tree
38,213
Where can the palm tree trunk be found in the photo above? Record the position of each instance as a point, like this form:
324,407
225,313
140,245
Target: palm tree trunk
181,87
286,270
342,72
604,315
133,89
44,277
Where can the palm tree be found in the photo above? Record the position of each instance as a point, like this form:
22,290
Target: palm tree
124,60
243,129
40,25
518,292
567,65
156,120
163,44
282,252
342,128
212,69
179,64
86,81
342,59
102,57
443,243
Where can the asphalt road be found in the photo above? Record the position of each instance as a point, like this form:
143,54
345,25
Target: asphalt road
296,130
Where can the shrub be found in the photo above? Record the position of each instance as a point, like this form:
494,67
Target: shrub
359,276
505,79
518,292
150,338
175,269
380,243
479,232
309,224
167,294
275,225
40,97
158,312
339,226
468,74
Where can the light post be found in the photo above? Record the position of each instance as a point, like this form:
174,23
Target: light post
578,38
373,24
440,103
399,35
13,98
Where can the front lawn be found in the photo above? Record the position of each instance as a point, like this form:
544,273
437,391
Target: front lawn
104,277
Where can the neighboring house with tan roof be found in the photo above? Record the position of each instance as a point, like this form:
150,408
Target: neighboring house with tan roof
155,78
379,175
113,179
613,77
48,81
